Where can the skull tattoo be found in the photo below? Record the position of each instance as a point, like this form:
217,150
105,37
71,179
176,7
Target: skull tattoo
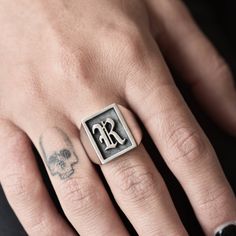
61,163
58,152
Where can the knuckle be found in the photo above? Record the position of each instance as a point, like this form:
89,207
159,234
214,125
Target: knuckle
133,46
213,201
221,68
42,225
12,136
22,193
79,196
135,182
187,143
18,187
76,65
126,39
36,225
135,52
31,92
13,146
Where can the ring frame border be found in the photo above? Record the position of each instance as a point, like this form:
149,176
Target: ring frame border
126,128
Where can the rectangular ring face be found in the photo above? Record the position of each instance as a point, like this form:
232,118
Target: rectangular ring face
109,133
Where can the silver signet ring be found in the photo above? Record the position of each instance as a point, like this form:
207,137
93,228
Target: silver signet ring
110,133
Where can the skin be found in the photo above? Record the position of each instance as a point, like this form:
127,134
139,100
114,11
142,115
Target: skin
62,61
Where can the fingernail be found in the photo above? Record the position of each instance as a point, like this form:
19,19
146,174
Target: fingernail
227,230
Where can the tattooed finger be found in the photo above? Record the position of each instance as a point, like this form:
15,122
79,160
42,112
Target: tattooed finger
59,156
82,196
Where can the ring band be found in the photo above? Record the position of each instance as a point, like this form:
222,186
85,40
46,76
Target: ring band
110,133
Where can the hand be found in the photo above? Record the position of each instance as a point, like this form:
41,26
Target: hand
64,60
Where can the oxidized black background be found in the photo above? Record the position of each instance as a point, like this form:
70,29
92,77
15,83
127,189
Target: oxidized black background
217,19
118,128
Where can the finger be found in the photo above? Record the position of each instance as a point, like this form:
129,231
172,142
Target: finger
79,190
134,181
142,194
200,65
23,185
183,145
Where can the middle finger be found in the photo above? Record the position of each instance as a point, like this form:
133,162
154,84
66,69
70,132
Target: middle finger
142,194
134,181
